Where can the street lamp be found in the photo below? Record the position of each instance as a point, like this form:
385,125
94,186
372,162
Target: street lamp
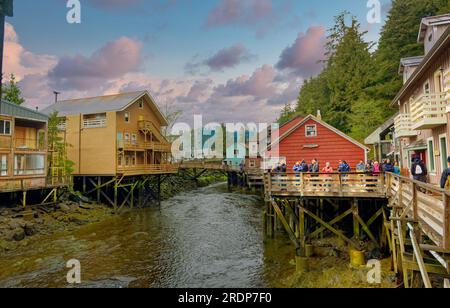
6,9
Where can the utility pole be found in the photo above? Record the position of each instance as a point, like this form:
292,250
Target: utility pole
6,9
56,96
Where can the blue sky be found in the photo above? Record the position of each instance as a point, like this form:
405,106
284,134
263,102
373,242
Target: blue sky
224,43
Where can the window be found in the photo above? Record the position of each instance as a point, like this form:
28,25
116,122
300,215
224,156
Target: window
127,137
311,130
431,162
127,160
133,161
3,165
444,151
426,88
119,161
134,139
127,117
141,104
29,164
252,164
430,37
5,127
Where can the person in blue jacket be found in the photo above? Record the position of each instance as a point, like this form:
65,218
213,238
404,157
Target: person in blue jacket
388,166
344,167
304,167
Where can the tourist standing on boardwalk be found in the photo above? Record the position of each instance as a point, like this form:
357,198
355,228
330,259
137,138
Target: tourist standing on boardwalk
361,167
344,167
419,170
388,166
376,168
314,168
296,168
328,168
304,167
445,179
397,169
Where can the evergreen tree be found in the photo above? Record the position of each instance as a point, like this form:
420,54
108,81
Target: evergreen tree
314,95
347,72
11,92
287,113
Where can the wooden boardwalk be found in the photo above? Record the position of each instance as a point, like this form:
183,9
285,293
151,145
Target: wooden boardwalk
417,228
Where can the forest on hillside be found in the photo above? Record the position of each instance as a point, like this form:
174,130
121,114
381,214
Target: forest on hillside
358,82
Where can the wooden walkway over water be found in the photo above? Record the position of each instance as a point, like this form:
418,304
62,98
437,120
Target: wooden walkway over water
416,218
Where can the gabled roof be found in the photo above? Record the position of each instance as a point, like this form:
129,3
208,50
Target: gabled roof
326,125
288,125
10,109
99,104
442,43
408,62
383,129
432,21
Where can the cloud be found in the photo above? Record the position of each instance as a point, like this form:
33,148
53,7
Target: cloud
113,60
223,59
260,15
20,61
304,57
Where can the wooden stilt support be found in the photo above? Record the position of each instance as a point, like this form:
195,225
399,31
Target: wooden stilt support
356,231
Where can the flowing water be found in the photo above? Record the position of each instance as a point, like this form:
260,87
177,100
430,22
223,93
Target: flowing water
203,238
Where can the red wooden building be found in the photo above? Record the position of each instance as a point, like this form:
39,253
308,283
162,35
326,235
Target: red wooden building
307,138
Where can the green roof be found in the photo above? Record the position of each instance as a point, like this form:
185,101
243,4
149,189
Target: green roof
10,109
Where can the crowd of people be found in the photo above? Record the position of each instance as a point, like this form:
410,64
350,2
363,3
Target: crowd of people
372,167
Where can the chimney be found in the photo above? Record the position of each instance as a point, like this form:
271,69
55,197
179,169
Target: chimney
319,115
56,95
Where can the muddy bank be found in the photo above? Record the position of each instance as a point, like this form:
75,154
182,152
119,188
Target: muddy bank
18,225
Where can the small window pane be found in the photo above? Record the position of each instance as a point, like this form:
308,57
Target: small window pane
311,131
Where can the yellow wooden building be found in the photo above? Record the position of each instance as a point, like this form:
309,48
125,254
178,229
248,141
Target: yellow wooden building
114,135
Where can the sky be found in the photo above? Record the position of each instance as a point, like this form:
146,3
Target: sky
228,60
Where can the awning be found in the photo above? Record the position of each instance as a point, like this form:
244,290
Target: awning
417,145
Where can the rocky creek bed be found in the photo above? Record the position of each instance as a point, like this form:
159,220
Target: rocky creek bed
19,225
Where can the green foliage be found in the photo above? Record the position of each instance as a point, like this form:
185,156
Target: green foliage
11,92
356,87
57,146
287,113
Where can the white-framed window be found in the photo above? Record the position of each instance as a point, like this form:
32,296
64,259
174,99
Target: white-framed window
5,127
311,130
141,104
127,117
3,165
127,137
29,164
430,156
134,139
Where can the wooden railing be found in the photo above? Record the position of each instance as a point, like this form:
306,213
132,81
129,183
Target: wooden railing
423,203
325,185
403,126
134,145
428,111
148,169
25,183
94,123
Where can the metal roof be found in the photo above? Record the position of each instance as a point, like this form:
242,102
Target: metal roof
432,21
10,109
100,104
411,61
383,129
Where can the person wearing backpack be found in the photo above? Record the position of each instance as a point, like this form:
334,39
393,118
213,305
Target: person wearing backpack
419,170
445,179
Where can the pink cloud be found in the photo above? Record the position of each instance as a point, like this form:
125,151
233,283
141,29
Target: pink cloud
305,55
20,61
113,60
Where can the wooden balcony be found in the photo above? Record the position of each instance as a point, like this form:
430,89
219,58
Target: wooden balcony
141,146
94,123
403,126
148,169
429,111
